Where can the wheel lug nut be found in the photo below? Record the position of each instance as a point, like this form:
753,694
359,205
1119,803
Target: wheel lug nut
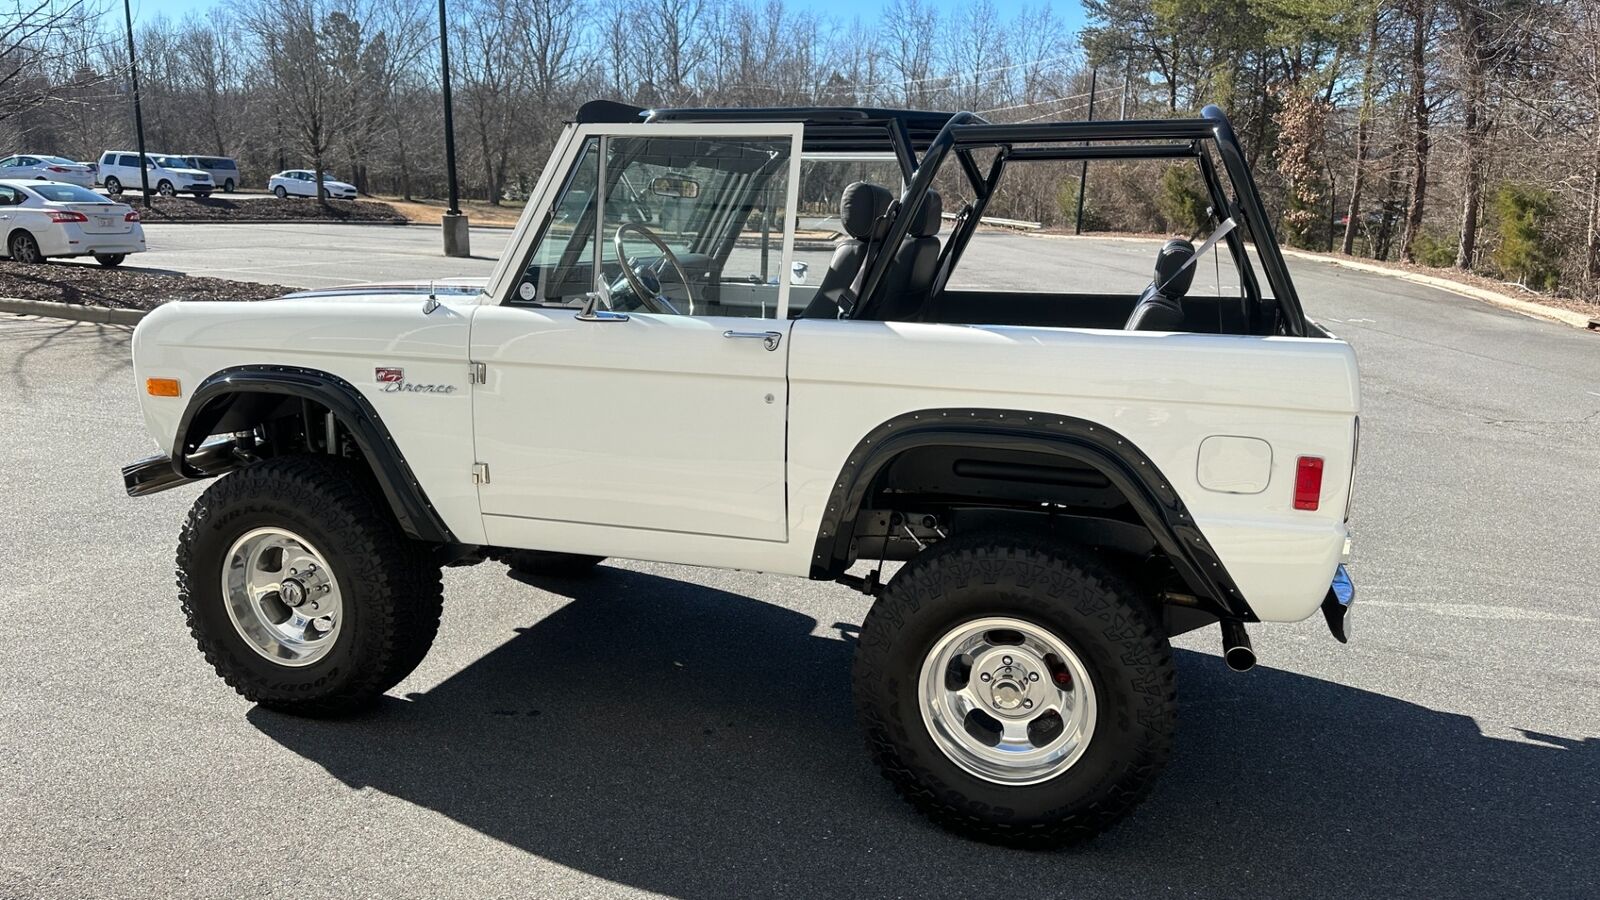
1033,676
1005,660
1027,704
984,676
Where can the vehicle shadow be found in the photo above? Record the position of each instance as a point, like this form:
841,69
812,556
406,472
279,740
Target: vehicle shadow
699,743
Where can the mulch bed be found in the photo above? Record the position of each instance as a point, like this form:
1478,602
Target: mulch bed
164,210
121,288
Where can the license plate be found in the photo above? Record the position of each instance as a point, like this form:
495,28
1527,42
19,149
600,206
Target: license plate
103,221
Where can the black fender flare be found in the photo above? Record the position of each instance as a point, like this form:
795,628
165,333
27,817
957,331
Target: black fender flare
416,515
1127,468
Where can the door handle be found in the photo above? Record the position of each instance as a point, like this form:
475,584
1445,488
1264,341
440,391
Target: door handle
601,315
769,339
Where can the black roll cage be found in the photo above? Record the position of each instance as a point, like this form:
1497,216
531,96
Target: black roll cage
938,135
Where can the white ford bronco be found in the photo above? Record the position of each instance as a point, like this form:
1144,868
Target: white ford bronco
669,363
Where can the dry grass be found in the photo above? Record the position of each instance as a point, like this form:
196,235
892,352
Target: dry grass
479,212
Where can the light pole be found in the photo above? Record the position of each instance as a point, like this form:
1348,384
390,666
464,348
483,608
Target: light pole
1083,173
138,116
457,239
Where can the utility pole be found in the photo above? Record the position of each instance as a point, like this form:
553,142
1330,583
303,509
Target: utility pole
138,116
1083,173
1127,85
457,239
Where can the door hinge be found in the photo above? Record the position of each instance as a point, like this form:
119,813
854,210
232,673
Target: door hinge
480,473
477,373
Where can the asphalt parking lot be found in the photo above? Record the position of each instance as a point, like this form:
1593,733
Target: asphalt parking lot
311,255
658,730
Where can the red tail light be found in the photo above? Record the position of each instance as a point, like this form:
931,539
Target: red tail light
67,215
1308,482
59,169
132,216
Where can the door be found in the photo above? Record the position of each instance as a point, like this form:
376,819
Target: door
635,361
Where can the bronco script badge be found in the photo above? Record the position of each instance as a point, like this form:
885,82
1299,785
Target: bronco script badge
393,379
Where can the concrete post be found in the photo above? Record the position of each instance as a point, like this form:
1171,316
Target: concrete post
457,240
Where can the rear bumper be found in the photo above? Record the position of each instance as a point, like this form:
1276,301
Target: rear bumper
70,239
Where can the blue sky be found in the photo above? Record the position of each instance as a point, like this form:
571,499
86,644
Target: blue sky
1069,10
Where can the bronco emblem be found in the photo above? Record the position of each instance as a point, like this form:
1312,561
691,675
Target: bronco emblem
393,380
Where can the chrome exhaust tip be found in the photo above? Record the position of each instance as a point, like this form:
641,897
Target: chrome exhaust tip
1236,650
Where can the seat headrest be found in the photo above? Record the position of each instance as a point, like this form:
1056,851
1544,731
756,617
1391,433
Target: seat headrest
1169,281
860,207
929,219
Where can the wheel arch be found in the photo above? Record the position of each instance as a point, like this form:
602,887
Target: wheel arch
247,397
1070,442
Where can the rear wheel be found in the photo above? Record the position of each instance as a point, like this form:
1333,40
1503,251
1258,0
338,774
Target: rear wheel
113,186
545,562
165,189
110,260
301,590
227,186
1015,691
24,248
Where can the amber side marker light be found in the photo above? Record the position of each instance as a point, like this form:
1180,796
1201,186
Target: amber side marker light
1308,482
163,387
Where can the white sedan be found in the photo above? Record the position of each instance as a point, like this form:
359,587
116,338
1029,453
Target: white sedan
303,183
47,168
42,219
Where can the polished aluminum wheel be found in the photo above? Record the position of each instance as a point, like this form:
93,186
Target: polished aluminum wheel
282,596
1007,701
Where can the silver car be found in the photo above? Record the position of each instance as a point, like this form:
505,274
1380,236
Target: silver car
47,168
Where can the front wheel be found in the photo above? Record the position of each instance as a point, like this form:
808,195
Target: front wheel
301,590
165,189
280,192
110,260
1015,691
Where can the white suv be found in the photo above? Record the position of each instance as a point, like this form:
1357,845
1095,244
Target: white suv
169,175
1069,479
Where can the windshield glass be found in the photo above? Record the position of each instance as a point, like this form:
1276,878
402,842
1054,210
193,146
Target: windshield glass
170,162
67,193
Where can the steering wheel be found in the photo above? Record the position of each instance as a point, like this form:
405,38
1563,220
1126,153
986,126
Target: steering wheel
651,299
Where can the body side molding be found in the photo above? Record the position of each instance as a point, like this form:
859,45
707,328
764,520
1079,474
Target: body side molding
1114,456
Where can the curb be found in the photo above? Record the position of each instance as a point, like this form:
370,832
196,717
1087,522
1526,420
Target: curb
1582,321
103,315
1529,308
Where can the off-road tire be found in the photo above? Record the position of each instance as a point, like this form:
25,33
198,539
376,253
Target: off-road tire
545,562
113,186
110,260
1112,629
391,591
23,247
